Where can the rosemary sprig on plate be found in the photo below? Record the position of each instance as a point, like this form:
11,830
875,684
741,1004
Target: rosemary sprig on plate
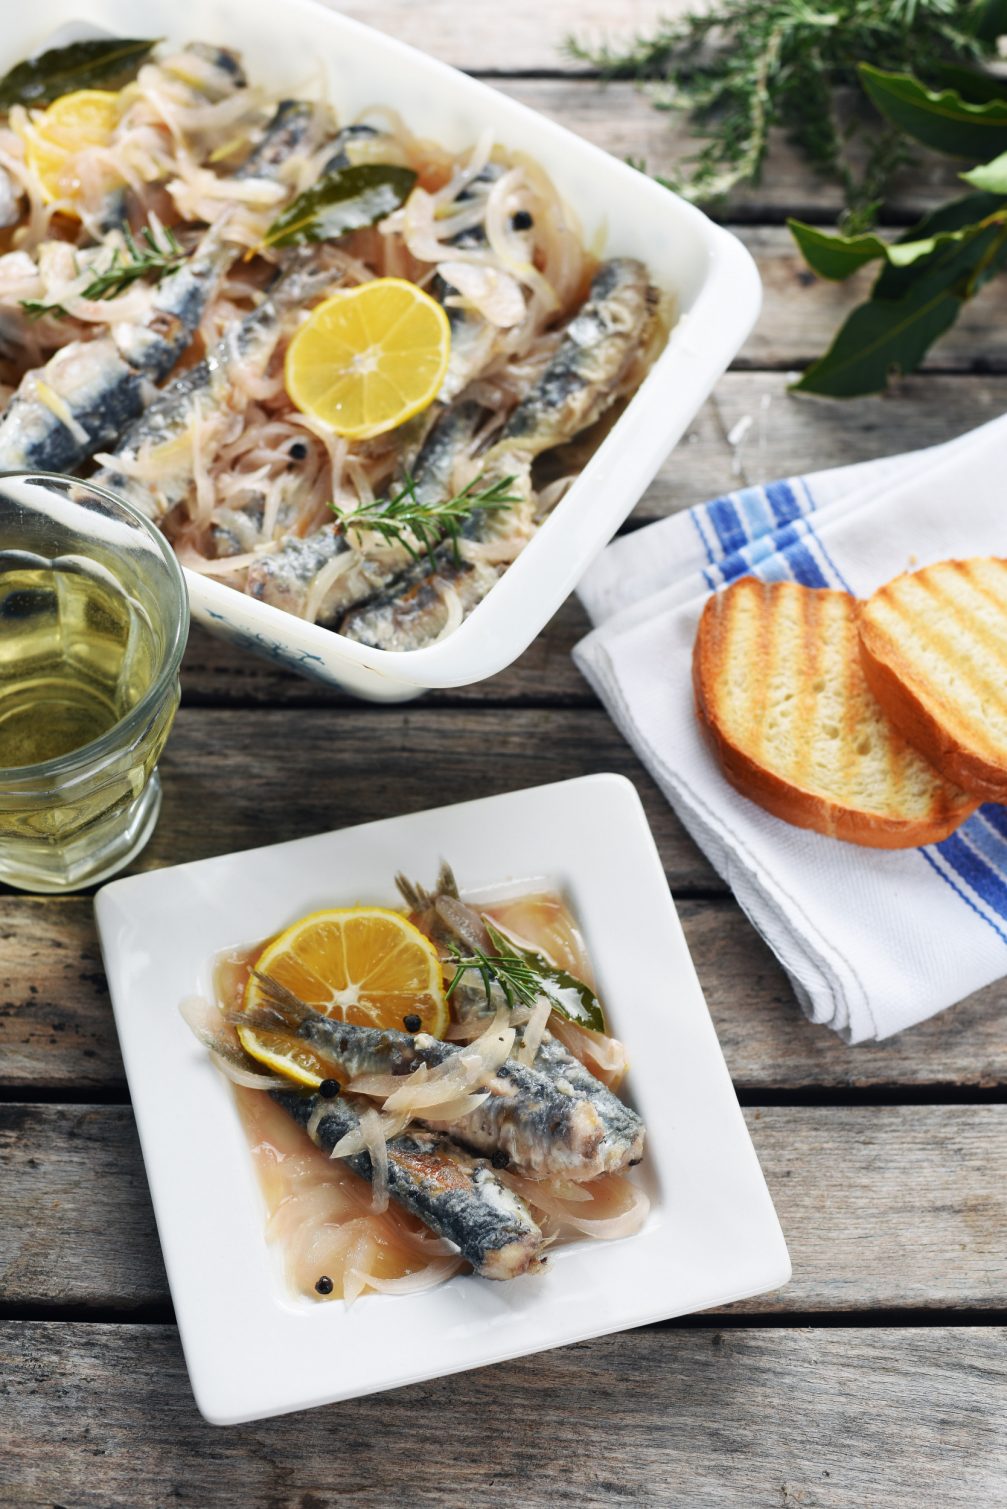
160,253
404,513
524,976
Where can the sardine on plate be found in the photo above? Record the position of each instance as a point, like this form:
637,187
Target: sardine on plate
539,1122
86,394
599,346
448,920
457,1196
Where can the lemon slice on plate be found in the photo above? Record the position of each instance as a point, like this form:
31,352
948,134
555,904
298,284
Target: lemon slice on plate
366,965
368,359
71,124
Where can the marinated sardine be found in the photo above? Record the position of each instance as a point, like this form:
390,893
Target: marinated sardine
599,346
84,396
543,1127
457,1196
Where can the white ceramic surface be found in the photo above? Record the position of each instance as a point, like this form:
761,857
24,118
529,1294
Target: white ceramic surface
253,1348
621,212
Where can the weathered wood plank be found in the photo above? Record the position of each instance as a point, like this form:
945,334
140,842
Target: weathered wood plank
828,1419
264,774
619,118
57,1033
852,1185
519,39
801,313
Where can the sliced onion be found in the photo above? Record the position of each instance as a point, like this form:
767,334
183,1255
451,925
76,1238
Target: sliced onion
534,1032
604,1056
492,293
359,1138
414,1283
540,1194
355,1274
202,1019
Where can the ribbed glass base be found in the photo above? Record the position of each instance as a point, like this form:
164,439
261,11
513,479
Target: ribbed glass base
94,854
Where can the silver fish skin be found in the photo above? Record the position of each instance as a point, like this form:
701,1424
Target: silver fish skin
459,1197
598,347
472,337
87,393
446,919
204,387
285,578
543,1128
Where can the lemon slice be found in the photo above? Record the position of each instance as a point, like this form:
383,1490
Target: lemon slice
365,965
71,124
368,359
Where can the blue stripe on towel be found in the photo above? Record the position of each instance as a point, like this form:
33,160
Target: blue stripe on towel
783,501
983,879
937,868
758,515
726,520
996,817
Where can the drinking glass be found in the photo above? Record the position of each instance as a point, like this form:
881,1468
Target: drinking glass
93,621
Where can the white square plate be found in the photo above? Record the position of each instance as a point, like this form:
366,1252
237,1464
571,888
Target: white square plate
255,1349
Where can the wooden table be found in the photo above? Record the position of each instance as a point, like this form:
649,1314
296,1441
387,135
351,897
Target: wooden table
878,1375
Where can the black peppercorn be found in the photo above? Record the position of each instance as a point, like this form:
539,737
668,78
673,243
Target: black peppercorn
298,451
328,1089
521,221
499,1159
411,1022
324,1284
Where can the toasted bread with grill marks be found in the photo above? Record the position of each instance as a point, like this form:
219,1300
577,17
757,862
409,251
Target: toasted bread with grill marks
934,651
782,695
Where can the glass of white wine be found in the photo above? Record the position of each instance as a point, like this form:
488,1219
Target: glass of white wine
93,622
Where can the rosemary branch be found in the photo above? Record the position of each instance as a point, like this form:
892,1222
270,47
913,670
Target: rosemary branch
738,68
163,253
404,513
521,982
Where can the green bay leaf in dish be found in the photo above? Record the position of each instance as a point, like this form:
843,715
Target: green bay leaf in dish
101,63
347,200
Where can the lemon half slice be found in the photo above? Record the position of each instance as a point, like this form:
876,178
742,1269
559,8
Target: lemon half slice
368,359
71,124
366,965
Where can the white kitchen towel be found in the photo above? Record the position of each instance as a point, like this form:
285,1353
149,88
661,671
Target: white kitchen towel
873,941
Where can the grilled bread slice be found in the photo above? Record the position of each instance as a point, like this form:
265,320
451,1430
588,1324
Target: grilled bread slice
934,650
780,690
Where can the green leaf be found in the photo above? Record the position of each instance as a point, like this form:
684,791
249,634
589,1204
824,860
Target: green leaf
975,87
568,995
989,176
894,334
940,119
955,215
99,64
343,201
838,257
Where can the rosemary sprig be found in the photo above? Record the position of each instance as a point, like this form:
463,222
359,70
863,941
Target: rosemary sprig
524,976
162,254
405,513
520,981
738,68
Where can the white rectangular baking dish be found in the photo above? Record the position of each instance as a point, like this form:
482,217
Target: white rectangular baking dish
621,212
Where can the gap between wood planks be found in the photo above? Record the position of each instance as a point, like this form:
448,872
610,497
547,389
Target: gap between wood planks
709,1320
849,1096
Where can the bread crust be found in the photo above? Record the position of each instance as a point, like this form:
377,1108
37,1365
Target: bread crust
889,678
795,804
